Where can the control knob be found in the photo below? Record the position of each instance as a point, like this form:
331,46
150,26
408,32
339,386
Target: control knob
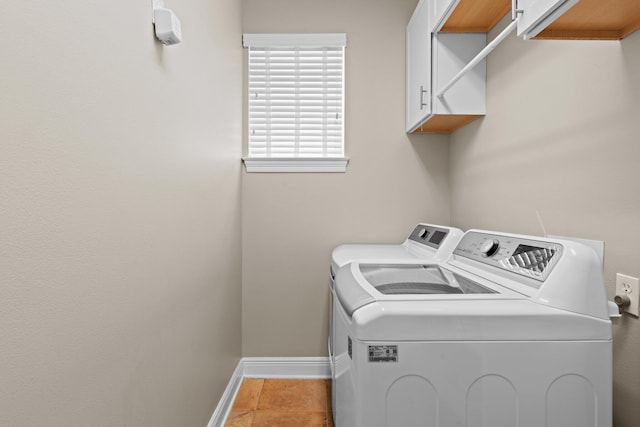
489,247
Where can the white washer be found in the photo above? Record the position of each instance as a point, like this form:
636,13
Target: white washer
509,331
425,243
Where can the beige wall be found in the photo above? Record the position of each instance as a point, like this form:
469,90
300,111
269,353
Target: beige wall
561,138
292,221
559,141
120,278
120,268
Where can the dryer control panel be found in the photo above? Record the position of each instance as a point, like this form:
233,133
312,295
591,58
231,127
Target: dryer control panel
527,257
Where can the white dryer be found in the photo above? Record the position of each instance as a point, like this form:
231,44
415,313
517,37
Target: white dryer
509,331
425,243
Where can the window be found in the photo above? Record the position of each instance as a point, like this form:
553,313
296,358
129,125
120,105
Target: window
295,102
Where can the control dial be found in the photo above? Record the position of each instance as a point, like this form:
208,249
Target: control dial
423,233
489,247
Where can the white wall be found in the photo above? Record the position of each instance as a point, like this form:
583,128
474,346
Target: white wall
120,271
292,221
561,138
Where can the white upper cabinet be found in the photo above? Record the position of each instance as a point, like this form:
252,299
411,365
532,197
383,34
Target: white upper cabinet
538,14
433,59
418,79
446,39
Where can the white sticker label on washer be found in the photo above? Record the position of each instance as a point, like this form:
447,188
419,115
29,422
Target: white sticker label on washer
383,353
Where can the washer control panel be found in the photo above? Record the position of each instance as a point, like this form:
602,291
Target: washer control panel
429,235
527,257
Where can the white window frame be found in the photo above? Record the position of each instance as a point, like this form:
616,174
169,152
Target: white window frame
296,163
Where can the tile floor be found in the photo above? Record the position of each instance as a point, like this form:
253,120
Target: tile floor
282,403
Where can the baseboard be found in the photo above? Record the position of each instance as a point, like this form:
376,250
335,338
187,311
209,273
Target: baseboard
267,367
221,413
286,367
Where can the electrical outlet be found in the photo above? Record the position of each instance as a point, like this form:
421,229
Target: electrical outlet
629,286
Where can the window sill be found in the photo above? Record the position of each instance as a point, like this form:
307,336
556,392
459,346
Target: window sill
289,164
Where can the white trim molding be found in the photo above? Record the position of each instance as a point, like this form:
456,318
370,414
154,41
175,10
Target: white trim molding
294,40
288,164
286,367
267,367
225,403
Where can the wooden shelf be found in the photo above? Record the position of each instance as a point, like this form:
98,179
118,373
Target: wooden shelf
446,123
477,16
586,20
596,20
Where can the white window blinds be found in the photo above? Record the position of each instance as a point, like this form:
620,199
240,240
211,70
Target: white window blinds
296,95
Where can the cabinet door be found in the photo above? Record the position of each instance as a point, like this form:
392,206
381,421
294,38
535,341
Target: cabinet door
538,14
418,67
440,12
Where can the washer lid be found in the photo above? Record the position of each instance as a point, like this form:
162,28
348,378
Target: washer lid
408,279
359,284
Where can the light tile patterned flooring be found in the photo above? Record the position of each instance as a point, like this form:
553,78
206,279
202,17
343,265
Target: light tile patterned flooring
282,403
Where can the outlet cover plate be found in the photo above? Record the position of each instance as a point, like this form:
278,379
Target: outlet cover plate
629,286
